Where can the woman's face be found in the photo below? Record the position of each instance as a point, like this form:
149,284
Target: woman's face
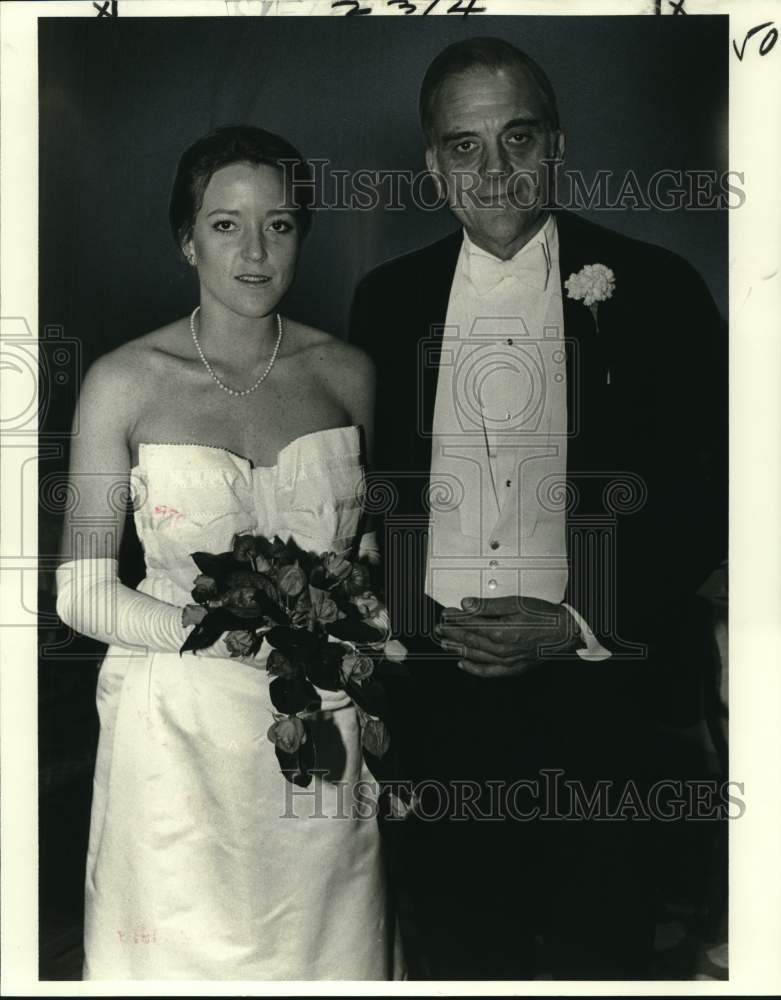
245,244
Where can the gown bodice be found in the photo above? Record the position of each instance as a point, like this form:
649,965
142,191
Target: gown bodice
193,497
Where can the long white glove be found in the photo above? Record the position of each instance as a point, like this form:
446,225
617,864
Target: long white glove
93,601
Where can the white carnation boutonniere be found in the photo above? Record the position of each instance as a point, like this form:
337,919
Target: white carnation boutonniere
593,283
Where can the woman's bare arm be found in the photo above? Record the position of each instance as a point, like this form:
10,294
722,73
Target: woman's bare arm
99,473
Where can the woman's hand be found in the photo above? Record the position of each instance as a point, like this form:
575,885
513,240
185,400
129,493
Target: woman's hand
193,614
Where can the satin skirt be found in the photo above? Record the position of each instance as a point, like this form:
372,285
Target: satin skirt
204,862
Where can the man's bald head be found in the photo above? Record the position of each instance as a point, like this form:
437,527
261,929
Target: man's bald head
482,53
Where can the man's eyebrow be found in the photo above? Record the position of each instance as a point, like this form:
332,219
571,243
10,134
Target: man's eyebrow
521,122
451,136
524,123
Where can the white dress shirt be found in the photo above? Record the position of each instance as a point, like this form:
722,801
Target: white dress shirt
499,447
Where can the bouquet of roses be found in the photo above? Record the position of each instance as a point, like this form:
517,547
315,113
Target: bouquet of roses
326,629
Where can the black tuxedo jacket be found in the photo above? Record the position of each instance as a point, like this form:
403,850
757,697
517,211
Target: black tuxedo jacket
646,455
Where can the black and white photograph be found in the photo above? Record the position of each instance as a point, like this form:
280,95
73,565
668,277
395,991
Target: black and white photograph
377,549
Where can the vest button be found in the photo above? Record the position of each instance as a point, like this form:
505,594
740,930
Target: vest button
493,563
492,584
494,545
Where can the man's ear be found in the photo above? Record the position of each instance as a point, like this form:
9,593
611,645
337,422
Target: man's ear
433,169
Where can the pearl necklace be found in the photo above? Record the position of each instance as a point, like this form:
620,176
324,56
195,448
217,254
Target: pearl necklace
210,370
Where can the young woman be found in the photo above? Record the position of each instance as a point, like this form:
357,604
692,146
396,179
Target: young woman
204,863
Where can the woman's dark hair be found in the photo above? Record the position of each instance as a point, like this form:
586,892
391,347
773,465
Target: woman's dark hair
487,52
236,144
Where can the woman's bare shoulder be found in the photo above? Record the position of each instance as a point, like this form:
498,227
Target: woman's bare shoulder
331,356
135,363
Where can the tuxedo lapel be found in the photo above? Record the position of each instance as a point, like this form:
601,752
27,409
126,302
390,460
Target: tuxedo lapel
588,402
586,359
433,296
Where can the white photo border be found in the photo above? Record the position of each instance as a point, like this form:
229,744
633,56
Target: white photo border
755,505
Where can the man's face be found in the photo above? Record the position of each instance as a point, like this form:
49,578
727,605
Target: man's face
489,138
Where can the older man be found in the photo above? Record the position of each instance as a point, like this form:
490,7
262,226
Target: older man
551,416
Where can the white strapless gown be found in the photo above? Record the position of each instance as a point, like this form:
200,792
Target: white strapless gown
204,863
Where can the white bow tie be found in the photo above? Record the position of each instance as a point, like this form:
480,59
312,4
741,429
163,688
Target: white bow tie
486,272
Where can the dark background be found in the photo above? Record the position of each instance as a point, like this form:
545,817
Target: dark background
121,99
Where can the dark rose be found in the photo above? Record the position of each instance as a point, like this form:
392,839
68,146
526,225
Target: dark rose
324,607
302,613
243,548
358,582
204,589
376,615
262,565
288,734
367,604
245,578
267,586
336,566
242,643
243,597
375,736
291,580
280,665
356,667
220,602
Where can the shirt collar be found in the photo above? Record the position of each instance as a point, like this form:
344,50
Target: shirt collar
547,235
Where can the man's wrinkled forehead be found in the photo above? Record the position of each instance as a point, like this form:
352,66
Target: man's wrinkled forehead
489,96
